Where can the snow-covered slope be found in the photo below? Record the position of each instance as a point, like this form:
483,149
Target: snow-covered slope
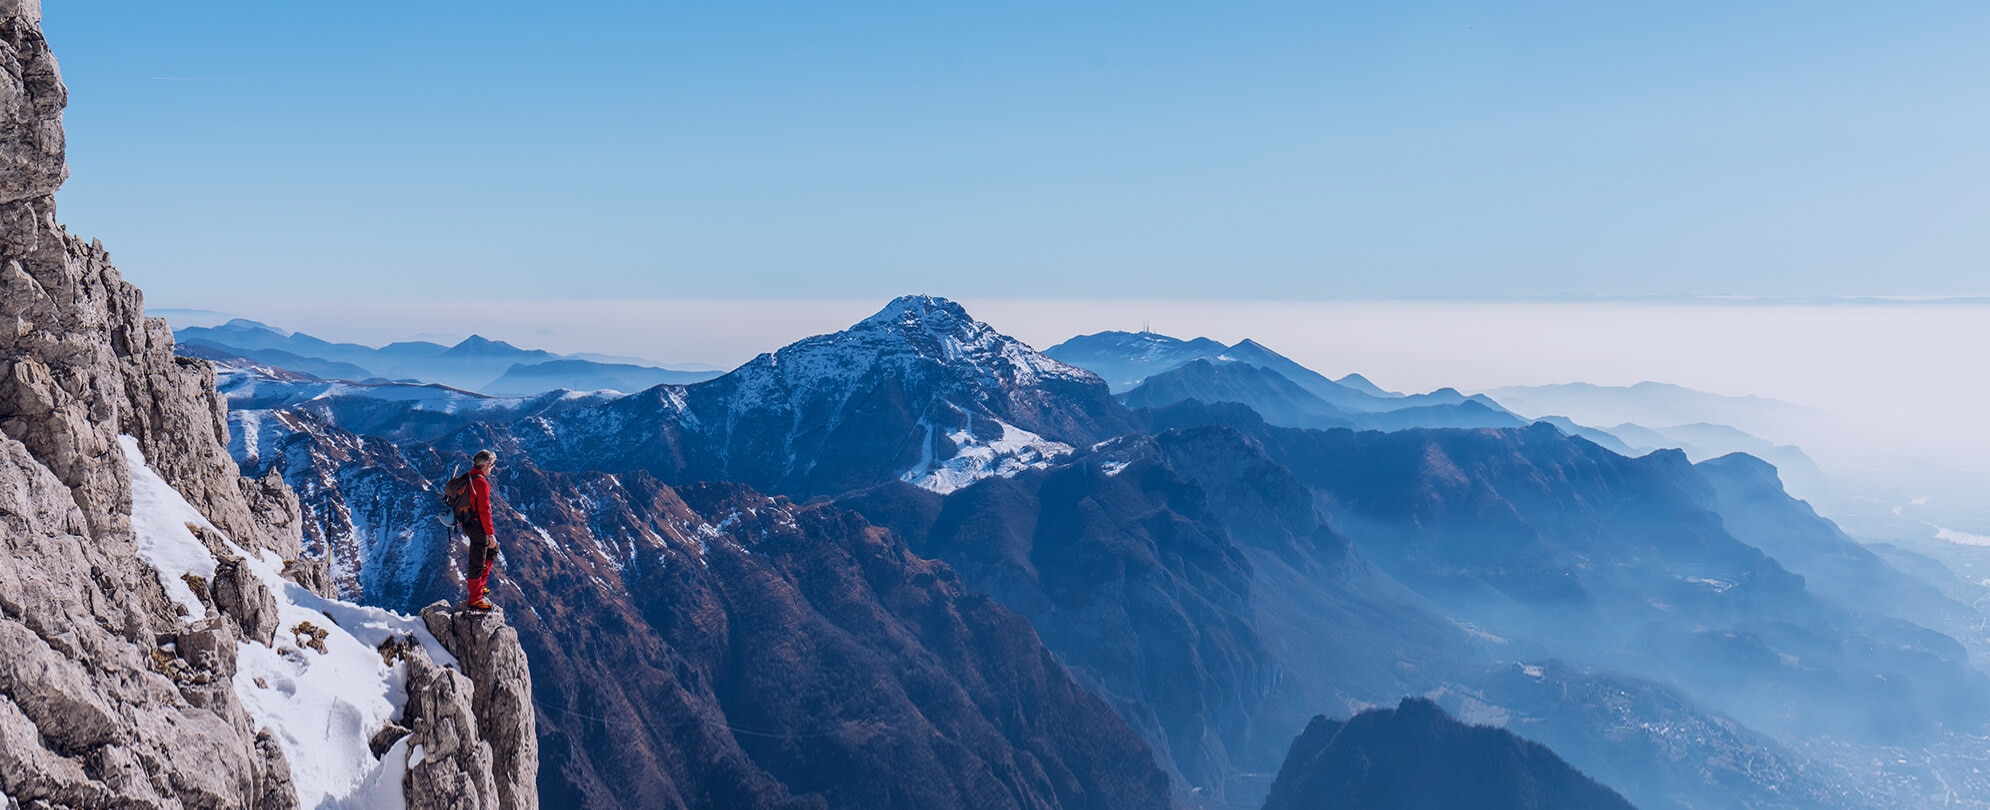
323,685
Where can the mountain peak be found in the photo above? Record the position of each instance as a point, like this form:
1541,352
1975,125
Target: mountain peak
920,392
245,323
1258,354
932,313
1364,385
919,329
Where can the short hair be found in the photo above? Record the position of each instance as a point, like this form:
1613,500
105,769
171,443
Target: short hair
484,458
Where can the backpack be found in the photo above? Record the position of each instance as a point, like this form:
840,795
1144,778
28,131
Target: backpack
456,494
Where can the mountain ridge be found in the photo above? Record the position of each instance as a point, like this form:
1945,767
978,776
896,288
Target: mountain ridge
475,363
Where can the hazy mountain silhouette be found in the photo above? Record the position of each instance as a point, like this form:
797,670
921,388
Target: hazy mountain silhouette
1417,757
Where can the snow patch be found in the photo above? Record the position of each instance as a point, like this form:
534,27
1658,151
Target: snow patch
382,786
1475,712
550,543
1962,538
324,707
1719,586
1016,451
1478,632
1113,468
160,518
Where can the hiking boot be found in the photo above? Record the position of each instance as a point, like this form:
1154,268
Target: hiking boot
481,604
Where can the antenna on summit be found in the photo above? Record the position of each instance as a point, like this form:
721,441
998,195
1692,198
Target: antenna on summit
1144,330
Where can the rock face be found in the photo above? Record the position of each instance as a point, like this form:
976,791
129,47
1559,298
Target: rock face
110,694
1416,757
92,714
449,765
488,647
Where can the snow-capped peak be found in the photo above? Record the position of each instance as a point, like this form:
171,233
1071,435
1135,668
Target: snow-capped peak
910,335
928,312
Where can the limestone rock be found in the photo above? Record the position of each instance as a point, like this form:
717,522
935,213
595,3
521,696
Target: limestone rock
241,595
449,765
488,647
314,574
108,697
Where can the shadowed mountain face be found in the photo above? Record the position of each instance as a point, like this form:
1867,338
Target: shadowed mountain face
1623,563
1125,574
713,647
1754,507
1191,581
1416,757
1153,620
1279,400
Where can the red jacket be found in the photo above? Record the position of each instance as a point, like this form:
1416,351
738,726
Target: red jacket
480,501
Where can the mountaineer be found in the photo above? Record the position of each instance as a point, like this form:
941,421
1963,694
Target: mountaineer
469,499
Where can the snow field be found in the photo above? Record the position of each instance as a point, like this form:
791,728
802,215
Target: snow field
1016,451
323,707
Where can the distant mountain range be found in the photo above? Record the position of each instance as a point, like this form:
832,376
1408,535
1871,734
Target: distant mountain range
1127,359
1652,403
475,364
1149,370
1185,581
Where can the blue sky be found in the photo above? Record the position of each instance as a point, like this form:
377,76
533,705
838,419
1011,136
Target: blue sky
236,152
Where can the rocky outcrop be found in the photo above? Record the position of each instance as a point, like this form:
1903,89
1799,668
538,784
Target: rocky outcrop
502,696
241,595
111,693
102,703
449,764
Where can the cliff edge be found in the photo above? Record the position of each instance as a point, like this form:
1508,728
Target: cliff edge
161,632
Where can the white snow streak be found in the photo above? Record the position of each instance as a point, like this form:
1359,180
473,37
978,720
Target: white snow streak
1016,451
1962,538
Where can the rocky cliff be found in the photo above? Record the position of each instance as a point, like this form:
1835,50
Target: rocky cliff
127,646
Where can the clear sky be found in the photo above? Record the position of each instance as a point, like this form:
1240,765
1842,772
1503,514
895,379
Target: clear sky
369,152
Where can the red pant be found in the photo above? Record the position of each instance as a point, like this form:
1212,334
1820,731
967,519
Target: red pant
481,557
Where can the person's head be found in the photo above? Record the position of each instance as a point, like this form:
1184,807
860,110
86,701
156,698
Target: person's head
484,459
